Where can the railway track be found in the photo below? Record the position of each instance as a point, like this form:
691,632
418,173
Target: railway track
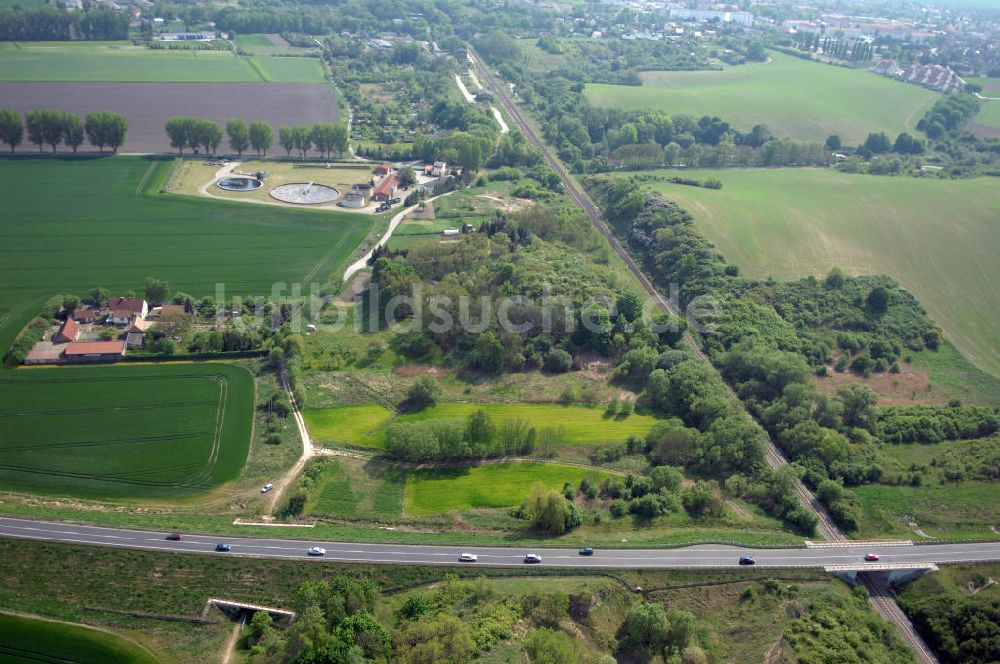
881,598
775,458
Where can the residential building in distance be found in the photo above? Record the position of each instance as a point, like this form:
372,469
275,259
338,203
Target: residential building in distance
935,77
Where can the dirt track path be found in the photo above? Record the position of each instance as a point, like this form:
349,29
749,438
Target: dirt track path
282,484
230,647
362,262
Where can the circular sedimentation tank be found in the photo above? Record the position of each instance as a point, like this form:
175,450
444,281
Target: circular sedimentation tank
239,183
304,193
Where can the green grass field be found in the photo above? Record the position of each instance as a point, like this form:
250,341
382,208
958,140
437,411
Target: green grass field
252,40
139,431
794,98
364,426
936,237
347,424
93,62
966,510
353,488
25,640
989,114
72,225
435,491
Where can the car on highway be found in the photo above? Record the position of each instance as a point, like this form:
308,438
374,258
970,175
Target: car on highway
871,557
267,487
586,551
223,547
174,537
747,560
532,558
468,558
317,551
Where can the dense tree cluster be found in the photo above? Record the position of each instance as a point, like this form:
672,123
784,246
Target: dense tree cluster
948,116
57,24
844,629
476,437
549,511
930,424
958,629
594,139
459,293
335,622
193,133
768,338
650,631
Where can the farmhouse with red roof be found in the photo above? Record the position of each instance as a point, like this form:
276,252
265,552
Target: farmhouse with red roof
121,310
94,351
68,331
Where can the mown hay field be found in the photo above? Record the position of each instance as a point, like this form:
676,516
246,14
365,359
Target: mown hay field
125,431
936,237
796,99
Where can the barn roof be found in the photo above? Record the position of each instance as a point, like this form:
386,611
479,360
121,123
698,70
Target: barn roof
95,348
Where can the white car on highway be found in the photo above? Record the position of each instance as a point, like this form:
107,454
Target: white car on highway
468,558
317,551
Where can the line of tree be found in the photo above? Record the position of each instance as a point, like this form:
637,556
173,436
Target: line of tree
476,437
326,137
257,135
57,24
185,131
49,127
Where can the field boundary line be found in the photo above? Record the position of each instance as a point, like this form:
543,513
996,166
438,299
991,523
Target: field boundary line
145,178
256,69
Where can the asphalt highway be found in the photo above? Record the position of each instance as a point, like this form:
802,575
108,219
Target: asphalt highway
693,557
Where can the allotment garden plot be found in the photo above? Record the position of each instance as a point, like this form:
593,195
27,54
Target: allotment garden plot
150,431
148,106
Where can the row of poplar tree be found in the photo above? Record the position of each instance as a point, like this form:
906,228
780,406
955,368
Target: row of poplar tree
45,126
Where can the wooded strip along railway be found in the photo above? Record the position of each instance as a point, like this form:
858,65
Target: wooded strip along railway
884,602
827,528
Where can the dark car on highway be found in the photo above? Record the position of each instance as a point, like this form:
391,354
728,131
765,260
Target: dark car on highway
223,547
586,551
747,560
174,537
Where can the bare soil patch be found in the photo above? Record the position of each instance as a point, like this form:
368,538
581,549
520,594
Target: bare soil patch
411,370
148,106
278,40
983,130
507,204
424,213
355,288
907,388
